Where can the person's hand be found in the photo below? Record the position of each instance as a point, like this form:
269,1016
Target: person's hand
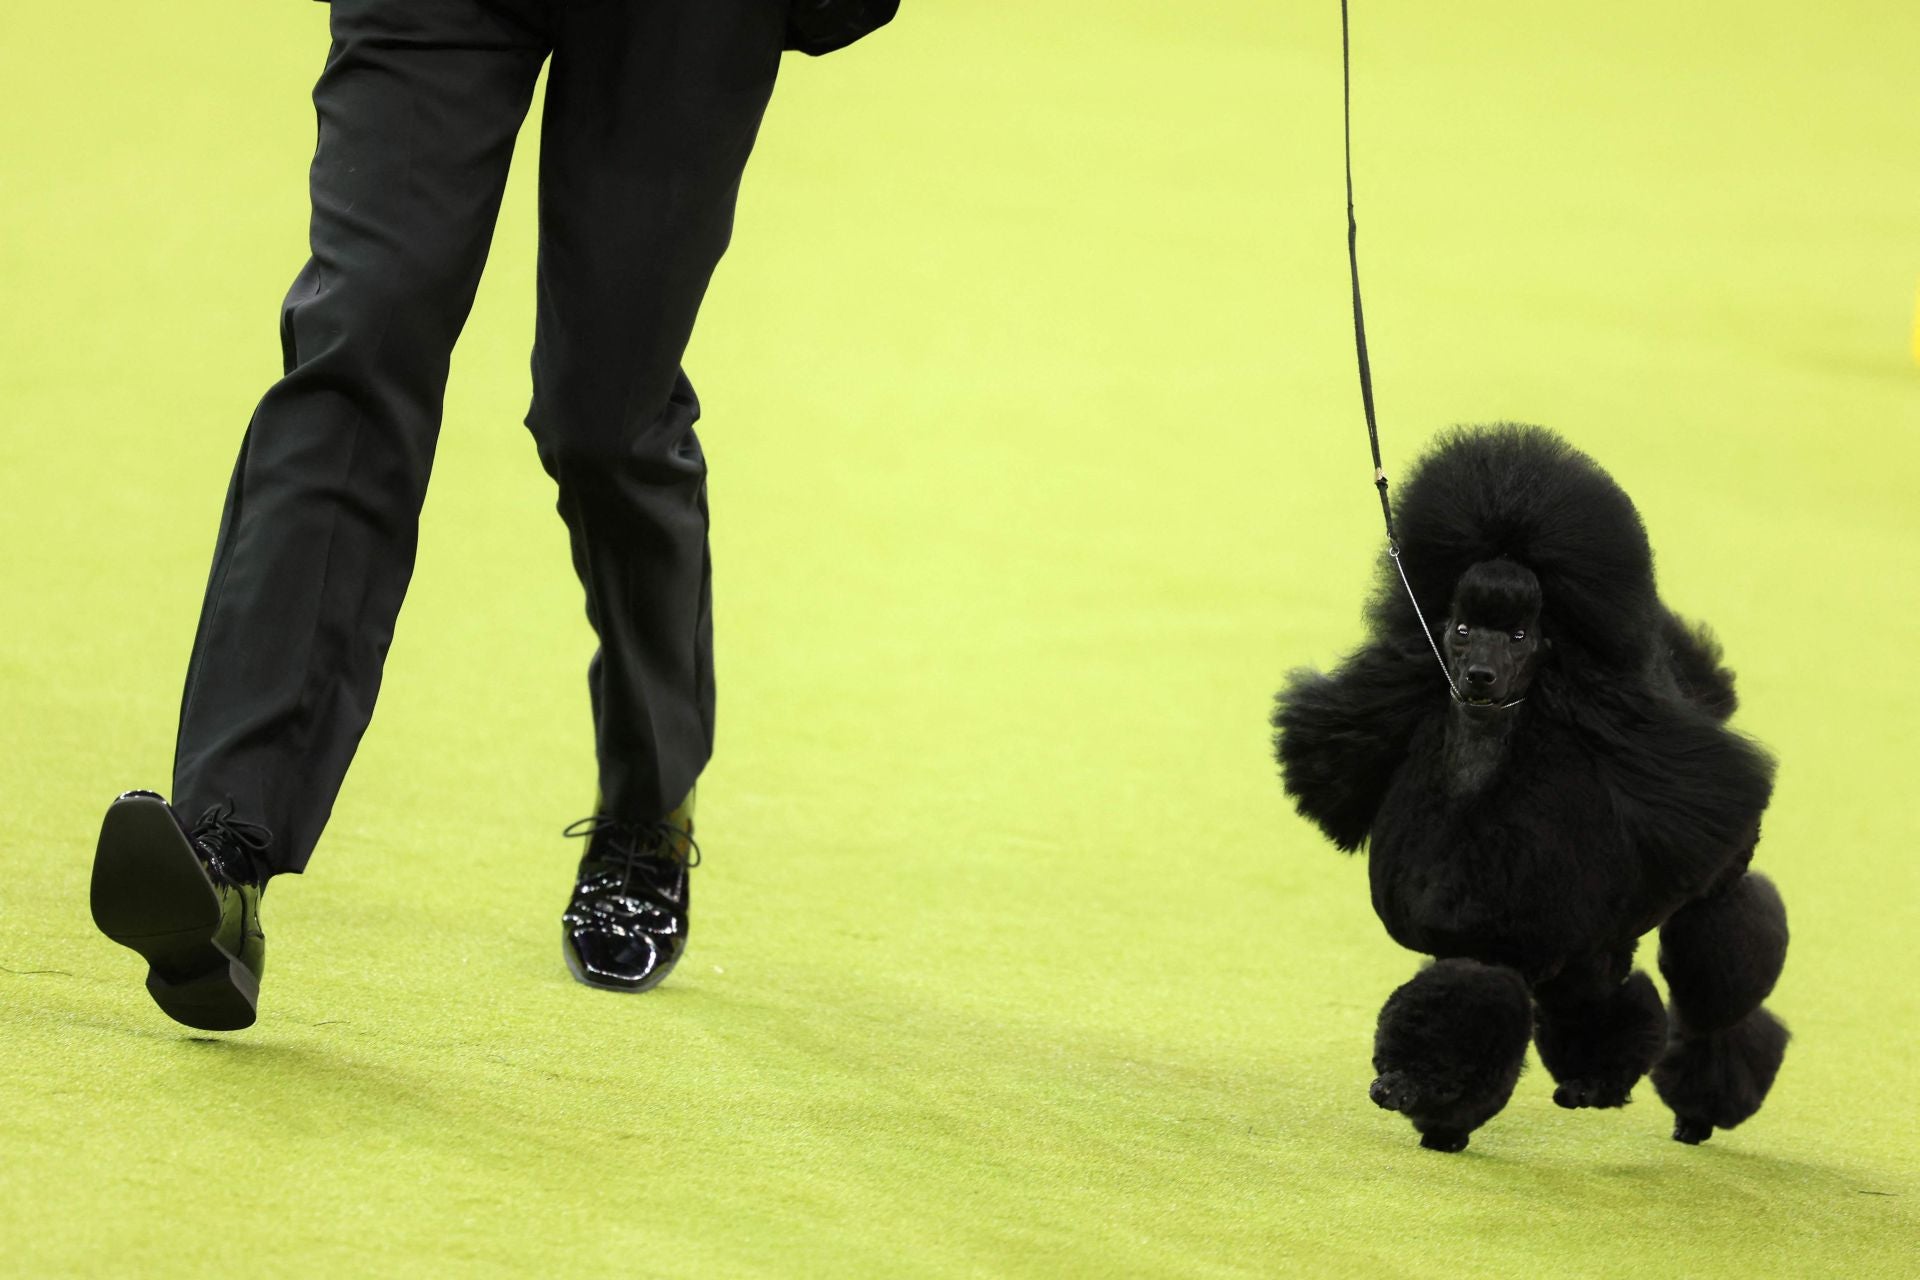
821,26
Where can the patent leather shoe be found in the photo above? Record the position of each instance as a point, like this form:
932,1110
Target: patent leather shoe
188,901
626,926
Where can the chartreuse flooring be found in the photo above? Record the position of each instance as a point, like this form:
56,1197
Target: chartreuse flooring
1037,461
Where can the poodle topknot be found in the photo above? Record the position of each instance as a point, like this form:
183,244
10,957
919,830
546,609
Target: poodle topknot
1523,494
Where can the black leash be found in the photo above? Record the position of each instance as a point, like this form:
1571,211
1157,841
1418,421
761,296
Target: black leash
1366,366
1359,316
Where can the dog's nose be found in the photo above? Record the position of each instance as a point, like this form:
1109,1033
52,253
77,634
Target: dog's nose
1479,675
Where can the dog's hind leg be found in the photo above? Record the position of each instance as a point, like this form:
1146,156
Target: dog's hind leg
1601,1026
1449,1047
1721,956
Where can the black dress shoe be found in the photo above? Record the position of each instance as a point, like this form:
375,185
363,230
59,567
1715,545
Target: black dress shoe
189,903
627,923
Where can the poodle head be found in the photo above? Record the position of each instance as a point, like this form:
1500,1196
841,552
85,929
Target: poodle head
1522,496
1493,641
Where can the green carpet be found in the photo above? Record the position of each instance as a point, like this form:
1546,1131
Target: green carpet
1037,461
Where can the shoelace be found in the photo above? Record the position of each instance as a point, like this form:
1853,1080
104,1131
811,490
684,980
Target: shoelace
226,838
633,842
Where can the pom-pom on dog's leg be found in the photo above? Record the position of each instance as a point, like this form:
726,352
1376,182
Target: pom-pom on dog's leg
1722,954
1721,957
1716,1080
1449,1048
1598,1032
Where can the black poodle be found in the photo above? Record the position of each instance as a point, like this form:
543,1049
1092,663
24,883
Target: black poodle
1559,784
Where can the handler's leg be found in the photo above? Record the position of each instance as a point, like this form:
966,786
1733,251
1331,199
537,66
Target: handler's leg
418,108
1449,1048
1601,1025
651,112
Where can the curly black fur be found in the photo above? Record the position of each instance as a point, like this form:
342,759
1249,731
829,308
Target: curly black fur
1449,1048
1583,791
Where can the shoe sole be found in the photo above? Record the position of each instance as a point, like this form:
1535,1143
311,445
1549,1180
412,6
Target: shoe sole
151,895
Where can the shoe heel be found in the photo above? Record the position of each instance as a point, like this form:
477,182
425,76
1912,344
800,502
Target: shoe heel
151,895
147,883
223,998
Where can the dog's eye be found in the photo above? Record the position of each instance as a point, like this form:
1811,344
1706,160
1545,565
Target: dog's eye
1461,630
1519,633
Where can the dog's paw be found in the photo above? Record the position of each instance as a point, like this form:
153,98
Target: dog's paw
1448,1140
1396,1091
1691,1132
1593,1093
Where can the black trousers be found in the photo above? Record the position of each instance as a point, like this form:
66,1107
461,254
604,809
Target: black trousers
651,111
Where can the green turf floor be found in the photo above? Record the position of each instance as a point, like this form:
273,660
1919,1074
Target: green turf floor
1037,461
